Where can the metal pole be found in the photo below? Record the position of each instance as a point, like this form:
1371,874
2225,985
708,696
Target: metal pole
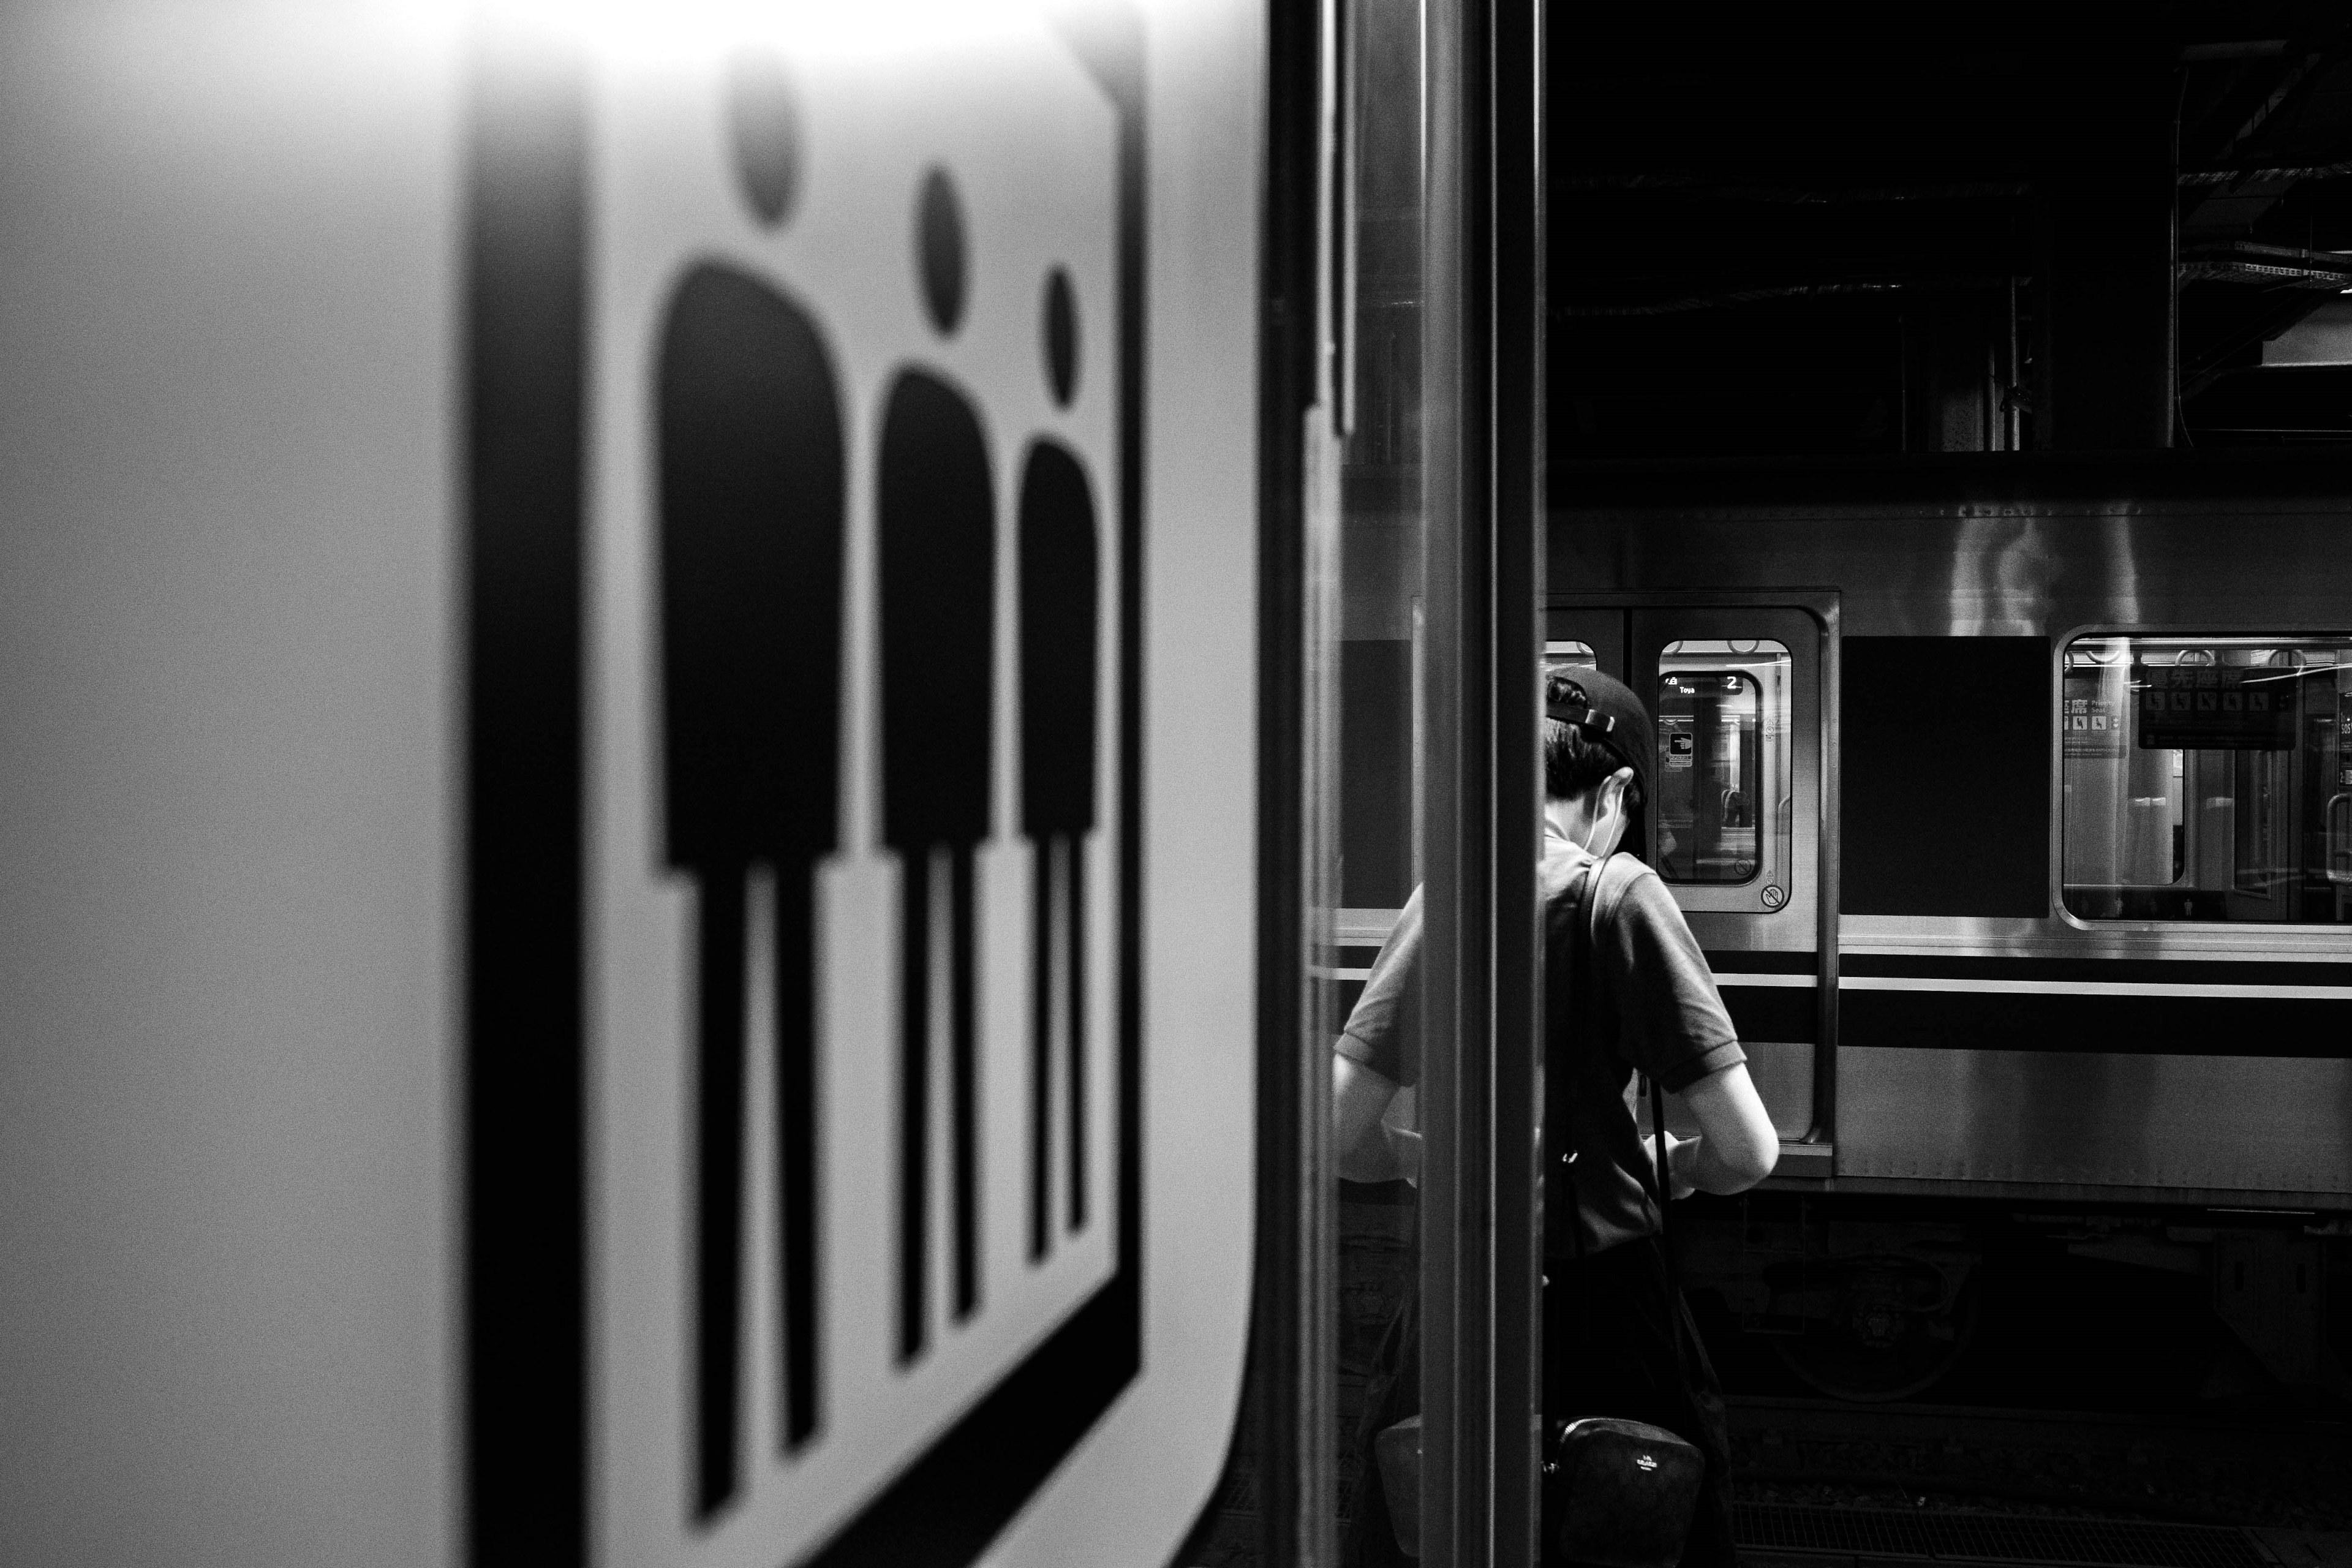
1521,368
1483,543
1457,1074
2010,422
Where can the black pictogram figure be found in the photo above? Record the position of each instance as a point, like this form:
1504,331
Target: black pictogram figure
935,503
1060,628
750,460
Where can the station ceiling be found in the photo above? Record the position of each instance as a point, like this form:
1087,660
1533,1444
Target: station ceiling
1949,232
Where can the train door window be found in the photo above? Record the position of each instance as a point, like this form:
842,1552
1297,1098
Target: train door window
1724,811
2208,778
1570,656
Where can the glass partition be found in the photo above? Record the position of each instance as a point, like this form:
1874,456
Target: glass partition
1394,1396
2208,778
1380,781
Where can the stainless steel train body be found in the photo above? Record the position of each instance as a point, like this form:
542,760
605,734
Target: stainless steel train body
1980,974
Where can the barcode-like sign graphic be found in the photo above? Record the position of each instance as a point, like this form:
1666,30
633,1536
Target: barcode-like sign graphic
804,544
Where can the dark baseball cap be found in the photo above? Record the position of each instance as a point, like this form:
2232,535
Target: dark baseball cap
1606,710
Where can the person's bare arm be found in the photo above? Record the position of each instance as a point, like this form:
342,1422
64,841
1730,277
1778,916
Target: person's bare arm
1359,1096
1737,1146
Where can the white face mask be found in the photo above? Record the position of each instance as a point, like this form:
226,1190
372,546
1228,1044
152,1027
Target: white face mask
1612,804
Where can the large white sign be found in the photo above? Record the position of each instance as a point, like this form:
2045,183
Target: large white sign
909,779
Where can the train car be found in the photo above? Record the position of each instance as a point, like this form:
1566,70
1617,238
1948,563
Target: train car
2013,809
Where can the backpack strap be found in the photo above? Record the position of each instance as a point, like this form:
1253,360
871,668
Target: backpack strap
1661,1190
1660,1181
1563,991
1651,1173
1662,1174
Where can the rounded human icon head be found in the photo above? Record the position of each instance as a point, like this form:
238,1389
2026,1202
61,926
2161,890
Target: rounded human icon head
764,123
940,261
1060,338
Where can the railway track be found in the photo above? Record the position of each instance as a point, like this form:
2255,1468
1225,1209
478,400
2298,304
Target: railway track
1787,1535
1808,1471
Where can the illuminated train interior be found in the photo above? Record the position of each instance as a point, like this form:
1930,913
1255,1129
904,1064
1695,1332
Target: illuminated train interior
2208,781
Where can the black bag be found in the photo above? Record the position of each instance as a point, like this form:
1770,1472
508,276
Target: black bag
1621,1494
1616,1493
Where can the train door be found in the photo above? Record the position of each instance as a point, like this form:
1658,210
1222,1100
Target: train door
1739,826
2331,744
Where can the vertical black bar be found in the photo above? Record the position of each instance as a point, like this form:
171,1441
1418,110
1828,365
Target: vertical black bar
1125,83
964,1068
796,1147
717,1184
525,1229
1469,825
914,1099
1073,928
1041,1051
1520,428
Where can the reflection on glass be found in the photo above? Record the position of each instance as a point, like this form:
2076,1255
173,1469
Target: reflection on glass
2208,778
1724,811
1376,795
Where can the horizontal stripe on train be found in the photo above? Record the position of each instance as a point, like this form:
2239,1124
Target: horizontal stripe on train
1798,967
2162,971
2011,1018
1741,961
2135,1022
2091,987
1773,1012
2267,978
2020,987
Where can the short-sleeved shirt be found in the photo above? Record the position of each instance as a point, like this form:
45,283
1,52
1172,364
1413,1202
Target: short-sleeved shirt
1383,1030
1652,1005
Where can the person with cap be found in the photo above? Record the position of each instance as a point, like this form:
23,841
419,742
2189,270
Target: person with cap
1618,1340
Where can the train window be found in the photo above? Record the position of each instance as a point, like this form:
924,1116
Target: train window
1724,810
2208,778
1570,656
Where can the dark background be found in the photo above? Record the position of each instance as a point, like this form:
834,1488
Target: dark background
1804,236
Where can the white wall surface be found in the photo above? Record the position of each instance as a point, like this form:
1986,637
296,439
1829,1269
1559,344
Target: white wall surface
225,846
